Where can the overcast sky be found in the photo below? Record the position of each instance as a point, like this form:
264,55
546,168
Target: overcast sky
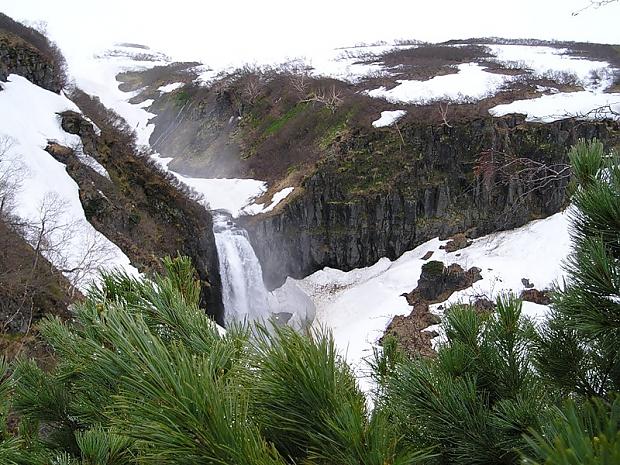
219,32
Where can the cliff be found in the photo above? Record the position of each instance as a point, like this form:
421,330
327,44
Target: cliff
30,54
379,196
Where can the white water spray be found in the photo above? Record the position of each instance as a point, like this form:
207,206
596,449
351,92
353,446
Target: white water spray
244,294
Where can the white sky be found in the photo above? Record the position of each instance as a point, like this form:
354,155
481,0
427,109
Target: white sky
235,30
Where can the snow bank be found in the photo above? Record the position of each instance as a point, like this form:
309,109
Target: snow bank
89,161
594,76
231,195
257,208
97,76
471,82
388,118
170,87
29,118
548,108
358,305
549,61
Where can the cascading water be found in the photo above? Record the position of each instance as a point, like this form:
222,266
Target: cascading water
244,294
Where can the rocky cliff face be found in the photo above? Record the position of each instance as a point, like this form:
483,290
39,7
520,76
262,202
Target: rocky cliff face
28,53
361,192
139,207
381,193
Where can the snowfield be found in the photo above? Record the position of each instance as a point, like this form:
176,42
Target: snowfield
97,76
29,120
545,61
359,304
278,197
231,195
170,87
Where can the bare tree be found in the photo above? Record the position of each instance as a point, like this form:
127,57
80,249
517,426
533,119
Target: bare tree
51,234
495,168
12,173
251,87
300,82
331,98
94,253
443,111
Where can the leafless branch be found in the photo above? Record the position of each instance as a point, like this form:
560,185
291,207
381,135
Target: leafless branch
594,4
443,111
331,98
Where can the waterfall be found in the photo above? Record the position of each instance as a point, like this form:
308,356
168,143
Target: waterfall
244,294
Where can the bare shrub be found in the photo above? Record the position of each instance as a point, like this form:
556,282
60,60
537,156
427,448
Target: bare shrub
564,78
11,175
331,97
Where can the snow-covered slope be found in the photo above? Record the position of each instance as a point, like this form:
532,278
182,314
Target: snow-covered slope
29,120
97,76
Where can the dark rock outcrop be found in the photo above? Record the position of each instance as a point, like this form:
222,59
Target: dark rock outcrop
457,242
437,282
409,331
536,296
28,53
375,197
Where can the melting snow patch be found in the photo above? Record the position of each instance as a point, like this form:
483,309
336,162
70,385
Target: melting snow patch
170,87
231,195
547,108
471,82
89,161
257,208
388,118
553,63
97,76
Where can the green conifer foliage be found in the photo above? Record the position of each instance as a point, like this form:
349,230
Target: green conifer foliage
475,400
578,348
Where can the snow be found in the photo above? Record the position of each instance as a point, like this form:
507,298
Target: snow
388,118
547,61
471,82
29,117
350,64
256,208
548,108
97,76
170,87
89,161
359,304
231,195
594,76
